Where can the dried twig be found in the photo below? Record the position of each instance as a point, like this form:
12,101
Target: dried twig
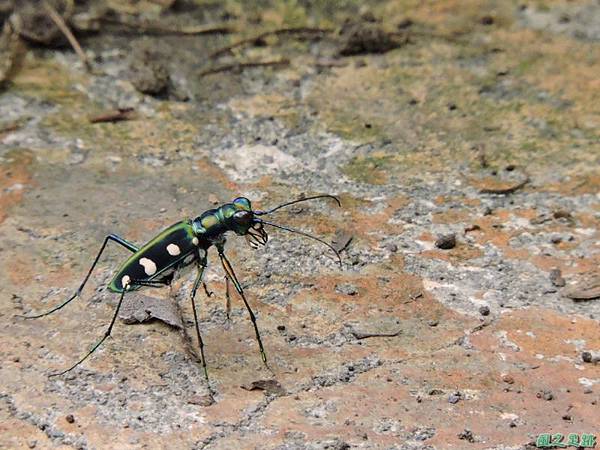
9,127
269,386
116,115
62,26
13,125
246,65
326,63
506,190
359,335
278,32
157,28
11,51
406,35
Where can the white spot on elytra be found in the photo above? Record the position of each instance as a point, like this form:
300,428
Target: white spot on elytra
149,266
125,281
173,249
195,241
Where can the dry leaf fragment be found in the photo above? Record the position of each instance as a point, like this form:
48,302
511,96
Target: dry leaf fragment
269,386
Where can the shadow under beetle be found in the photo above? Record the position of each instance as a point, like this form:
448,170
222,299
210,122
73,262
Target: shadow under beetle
185,243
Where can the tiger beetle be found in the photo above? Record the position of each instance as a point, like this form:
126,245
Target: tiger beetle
182,244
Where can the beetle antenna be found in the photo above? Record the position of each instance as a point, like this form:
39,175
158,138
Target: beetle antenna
260,213
303,233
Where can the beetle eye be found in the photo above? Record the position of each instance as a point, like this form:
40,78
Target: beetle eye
243,217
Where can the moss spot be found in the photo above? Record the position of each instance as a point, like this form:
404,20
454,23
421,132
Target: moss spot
371,169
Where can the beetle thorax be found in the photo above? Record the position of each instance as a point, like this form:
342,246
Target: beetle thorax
236,216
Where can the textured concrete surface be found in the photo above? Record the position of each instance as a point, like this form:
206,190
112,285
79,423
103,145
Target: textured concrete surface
482,122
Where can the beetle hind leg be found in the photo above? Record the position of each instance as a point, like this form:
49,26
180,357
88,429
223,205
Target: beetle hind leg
200,264
111,237
106,334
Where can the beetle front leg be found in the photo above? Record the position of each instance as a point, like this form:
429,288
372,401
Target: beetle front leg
238,287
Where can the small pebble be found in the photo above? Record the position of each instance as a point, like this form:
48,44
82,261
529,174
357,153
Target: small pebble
562,214
556,278
473,227
590,357
546,395
487,20
567,417
346,288
508,379
446,242
484,310
466,435
280,327
454,398
392,247
405,23
31,444
556,239
201,400
432,323
70,418
213,199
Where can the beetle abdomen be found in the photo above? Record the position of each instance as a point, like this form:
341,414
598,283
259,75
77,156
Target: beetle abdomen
174,247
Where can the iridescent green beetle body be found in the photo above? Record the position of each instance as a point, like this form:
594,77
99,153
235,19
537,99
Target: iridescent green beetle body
178,246
182,244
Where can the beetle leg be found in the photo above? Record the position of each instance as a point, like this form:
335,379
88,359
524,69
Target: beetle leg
106,334
208,293
200,264
238,287
227,298
111,237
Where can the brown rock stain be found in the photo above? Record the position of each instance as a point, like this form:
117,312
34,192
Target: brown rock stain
461,253
551,330
451,216
213,171
15,178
